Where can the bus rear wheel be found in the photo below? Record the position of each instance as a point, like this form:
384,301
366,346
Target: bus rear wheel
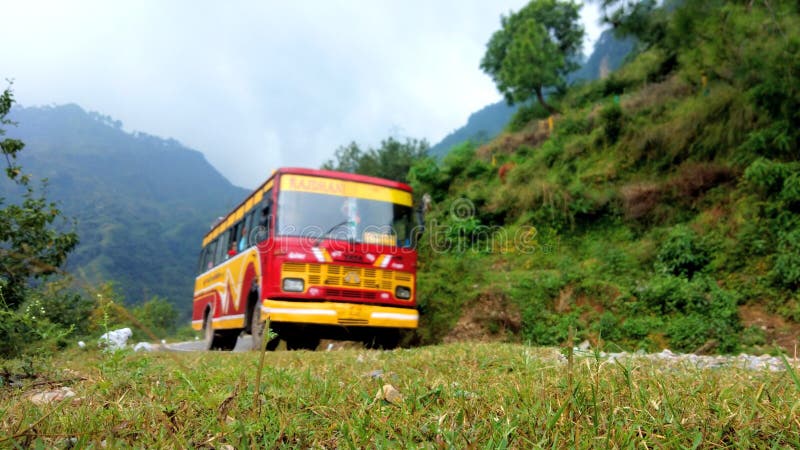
219,339
258,327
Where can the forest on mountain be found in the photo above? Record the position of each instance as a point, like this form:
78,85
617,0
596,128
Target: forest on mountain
133,208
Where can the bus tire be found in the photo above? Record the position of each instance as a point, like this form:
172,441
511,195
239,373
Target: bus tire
219,339
257,328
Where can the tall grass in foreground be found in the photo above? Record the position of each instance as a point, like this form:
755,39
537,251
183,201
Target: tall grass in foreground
454,396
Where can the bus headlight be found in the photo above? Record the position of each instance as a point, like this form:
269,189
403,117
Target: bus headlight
402,292
293,285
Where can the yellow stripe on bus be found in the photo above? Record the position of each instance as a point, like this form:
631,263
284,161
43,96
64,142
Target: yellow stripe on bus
238,213
334,313
332,186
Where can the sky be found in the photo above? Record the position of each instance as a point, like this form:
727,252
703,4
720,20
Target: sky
257,85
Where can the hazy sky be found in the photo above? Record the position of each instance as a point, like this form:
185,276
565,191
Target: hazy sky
256,85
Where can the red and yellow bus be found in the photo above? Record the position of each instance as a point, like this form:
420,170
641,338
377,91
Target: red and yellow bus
322,254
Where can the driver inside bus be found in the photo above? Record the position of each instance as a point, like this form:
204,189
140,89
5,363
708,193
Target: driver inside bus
349,210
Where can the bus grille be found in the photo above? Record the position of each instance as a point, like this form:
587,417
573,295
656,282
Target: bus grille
346,281
351,294
353,322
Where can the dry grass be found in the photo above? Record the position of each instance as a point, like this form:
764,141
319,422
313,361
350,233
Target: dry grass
693,179
640,198
656,95
532,135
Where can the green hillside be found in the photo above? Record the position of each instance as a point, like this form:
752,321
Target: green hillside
661,211
141,203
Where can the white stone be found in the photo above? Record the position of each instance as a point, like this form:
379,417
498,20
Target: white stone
144,347
116,339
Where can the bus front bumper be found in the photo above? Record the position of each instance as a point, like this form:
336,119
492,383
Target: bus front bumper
342,314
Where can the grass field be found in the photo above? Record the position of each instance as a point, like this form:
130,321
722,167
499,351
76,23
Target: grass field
450,396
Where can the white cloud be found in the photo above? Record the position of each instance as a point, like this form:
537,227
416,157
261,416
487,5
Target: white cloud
256,85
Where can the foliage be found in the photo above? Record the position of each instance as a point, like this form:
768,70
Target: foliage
683,253
63,305
535,48
391,160
786,271
612,121
30,246
157,316
671,190
646,20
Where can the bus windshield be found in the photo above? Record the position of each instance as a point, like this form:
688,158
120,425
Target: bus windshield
324,216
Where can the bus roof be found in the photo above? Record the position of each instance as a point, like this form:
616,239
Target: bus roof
266,185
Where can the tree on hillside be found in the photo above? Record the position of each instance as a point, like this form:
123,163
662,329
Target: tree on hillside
391,160
534,49
30,246
646,20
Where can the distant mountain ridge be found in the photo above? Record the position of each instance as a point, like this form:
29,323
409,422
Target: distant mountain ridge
142,203
483,125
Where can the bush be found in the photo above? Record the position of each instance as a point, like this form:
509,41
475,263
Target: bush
27,332
639,327
525,115
768,176
786,270
696,311
612,118
683,253
158,315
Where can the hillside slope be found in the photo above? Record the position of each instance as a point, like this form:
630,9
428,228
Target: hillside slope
141,203
662,211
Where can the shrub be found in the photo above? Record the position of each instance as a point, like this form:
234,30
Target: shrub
639,327
786,270
683,253
526,114
768,176
27,332
612,118
459,158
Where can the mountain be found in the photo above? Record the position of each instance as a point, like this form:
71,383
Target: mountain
141,203
609,53
481,126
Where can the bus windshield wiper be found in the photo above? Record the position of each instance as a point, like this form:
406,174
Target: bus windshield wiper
327,233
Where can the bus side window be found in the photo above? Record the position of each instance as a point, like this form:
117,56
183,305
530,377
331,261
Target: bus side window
208,258
221,252
261,216
200,266
248,228
233,242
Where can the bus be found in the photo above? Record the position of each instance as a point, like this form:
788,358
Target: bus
319,254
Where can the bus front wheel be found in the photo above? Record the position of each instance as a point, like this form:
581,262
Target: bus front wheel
258,327
219,339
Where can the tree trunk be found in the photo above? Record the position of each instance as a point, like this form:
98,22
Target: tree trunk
540,97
